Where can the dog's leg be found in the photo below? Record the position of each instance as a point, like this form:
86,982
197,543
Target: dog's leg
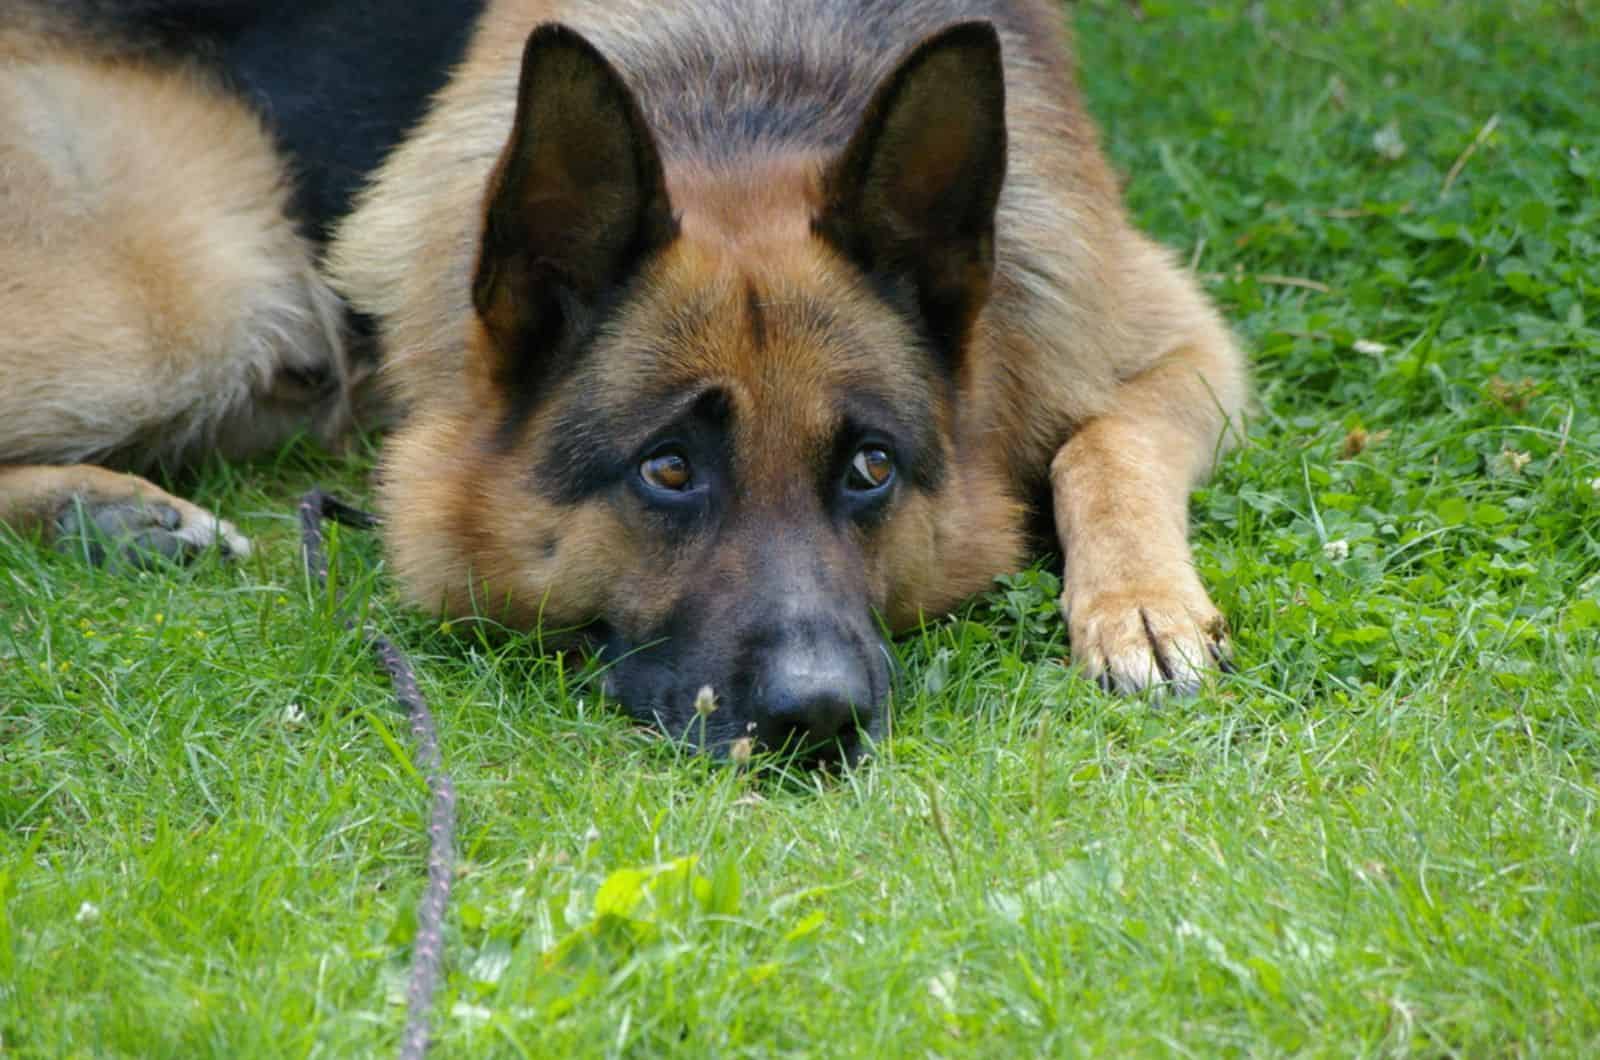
1135,609
112,517
157,305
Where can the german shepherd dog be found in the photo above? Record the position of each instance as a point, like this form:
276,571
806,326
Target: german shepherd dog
734,332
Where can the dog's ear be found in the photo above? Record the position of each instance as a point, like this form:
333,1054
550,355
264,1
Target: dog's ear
577,202
912,199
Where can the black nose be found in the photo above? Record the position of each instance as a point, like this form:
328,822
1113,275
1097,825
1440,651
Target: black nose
811,698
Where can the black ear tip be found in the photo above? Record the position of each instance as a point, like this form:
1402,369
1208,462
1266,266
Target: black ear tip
557,57
974,47
556,36
549,33
975,35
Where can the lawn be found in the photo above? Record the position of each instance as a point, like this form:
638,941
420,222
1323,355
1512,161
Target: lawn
1378,837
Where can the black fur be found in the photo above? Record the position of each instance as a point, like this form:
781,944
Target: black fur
735,640
158,23
339,82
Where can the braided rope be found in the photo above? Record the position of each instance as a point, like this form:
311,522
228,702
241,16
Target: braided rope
427,952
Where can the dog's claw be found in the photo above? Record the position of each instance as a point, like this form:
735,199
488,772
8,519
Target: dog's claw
139,533
1128,643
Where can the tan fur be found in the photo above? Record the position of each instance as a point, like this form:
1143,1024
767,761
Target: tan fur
1097,370
157,302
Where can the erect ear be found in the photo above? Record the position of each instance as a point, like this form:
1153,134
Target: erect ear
575,205
912,199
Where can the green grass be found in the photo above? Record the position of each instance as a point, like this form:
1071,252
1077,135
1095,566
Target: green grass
1378,838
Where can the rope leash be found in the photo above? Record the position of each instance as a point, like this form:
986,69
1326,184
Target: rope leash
427,951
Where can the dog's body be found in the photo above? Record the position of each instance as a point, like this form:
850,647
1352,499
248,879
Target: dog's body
158,303
729,325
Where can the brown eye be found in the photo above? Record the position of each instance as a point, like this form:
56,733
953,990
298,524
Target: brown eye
667,470
871,468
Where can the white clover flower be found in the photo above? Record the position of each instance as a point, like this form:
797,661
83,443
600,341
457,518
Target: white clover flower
1337,550
1388,142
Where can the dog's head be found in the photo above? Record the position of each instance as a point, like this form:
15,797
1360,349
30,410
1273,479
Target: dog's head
718,412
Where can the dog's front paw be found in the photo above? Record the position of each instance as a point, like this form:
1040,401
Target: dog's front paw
140,530
1154,636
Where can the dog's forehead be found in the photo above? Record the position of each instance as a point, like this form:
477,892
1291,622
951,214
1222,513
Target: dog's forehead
786,340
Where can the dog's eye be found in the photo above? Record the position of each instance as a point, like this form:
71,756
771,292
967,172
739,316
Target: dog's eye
871,468
667,469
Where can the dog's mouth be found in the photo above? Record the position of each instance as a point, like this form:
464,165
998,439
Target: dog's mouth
844,750
738,741
794,718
